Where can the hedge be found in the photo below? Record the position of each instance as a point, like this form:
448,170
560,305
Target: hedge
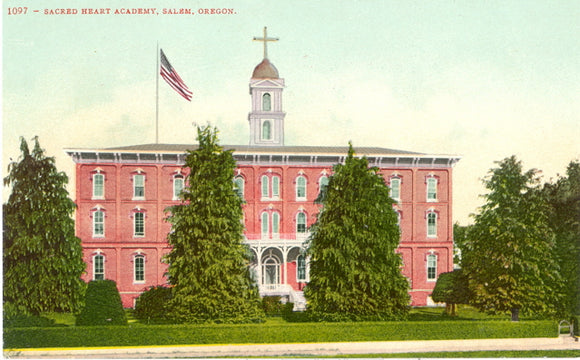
144,335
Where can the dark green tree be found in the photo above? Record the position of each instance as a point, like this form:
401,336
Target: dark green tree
509,253
355,273
208,262
564,198
42,257
452,288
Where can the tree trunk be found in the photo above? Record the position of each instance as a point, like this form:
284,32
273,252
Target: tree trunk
515,314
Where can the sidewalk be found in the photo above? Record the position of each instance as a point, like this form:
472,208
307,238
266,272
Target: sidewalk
312,349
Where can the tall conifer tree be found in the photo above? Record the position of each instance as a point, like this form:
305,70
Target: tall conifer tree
355,273
208,262
509,257
42,256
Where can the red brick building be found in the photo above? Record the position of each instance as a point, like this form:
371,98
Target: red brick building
122,194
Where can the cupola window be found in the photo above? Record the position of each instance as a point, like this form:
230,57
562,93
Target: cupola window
266,102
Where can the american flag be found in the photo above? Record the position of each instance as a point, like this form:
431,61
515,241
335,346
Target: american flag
172,78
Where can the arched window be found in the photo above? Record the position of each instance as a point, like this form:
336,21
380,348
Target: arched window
300,188
177,186
98,267
432,224
301,268
139,268
265,224
275,223
301,223
275,186
431,189
265,187
322,183
396,188
239,183
431,267
98,186
98,223
271,270
138,187
266,130
266,102
139,224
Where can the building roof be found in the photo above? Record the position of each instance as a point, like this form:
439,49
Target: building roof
265,70
255,154
254,149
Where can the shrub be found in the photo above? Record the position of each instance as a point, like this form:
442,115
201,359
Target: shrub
103,305
272,305
152,304
575,321
18,321
290,315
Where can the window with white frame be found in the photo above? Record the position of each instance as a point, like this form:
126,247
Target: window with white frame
266,102
301,223
275,186
265,224
139,268
265,187
301,268
431,224
431,189
398,212
139,224
98,186
396,188
431,267
300,188
275,223
178,182
266,130
98,223
98,267
139,186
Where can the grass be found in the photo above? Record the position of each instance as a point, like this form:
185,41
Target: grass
423,324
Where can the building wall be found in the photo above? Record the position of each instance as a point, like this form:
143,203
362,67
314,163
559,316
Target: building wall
119,245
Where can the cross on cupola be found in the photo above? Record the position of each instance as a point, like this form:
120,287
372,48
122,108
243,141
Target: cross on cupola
265,40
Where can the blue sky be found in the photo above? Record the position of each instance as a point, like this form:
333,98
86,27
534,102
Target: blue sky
480,79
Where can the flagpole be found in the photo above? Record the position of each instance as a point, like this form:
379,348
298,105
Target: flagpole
157,98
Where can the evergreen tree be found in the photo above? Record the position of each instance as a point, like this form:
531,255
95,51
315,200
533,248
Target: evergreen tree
509,253
564,198
41,254
355,273
208,262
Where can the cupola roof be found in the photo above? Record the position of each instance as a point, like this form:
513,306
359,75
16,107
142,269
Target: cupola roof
265,70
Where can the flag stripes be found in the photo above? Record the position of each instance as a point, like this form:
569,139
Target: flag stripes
169,74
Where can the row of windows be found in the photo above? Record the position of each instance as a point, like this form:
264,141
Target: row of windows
138,268
270,268
138,186
269,223
270,187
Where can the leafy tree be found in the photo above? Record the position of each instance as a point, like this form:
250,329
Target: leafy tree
208,263
355,273
41,254
452,288
564,198
103,305
459,240
508,257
